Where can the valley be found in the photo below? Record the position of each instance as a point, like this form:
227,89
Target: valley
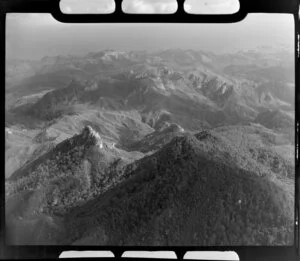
163,148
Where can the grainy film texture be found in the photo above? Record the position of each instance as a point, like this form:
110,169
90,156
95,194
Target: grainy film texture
149,134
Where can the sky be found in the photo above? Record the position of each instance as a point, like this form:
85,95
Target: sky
33,36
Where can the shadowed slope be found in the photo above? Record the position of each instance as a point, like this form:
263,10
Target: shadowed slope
172,197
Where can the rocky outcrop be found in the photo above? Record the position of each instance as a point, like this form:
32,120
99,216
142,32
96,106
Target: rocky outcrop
89,133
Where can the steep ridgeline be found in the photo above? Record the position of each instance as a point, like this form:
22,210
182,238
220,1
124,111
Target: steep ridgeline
75,170
88,192
187,84
39,194
157,139
53,104
276,119
181,195
203,155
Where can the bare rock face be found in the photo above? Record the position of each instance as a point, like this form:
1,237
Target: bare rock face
175,128
90,134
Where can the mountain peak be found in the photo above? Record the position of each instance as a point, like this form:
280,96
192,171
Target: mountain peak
89,132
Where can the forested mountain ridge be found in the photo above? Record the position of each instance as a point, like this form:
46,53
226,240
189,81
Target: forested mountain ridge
127,148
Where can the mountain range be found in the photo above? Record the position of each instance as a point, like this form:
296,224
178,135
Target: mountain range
172,147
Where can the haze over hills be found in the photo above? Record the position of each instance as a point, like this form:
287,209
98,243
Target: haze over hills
123,148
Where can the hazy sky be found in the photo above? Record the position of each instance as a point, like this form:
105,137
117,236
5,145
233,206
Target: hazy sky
36,35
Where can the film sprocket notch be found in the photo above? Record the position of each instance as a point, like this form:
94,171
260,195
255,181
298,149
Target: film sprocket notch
152,132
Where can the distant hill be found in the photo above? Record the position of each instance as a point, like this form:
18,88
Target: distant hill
208,89
275,119
157,139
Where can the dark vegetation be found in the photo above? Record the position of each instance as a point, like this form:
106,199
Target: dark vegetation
275,119
73,172
168,198
172,198
56,103
276,163
229,184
